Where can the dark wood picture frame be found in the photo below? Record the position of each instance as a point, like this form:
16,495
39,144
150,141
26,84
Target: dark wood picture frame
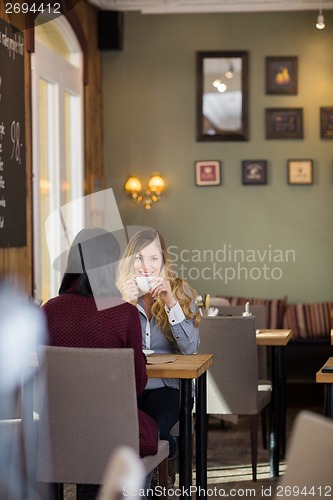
326,123
284,123
254,172
300,172
208,173
282,75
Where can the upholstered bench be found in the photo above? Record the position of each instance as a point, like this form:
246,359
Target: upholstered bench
309,321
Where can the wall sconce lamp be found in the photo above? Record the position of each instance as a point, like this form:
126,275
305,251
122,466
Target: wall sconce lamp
153,192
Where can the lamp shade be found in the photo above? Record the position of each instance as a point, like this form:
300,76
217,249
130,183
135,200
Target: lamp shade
133,185
156,184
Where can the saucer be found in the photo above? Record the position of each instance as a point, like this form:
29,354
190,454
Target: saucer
148,352
160,360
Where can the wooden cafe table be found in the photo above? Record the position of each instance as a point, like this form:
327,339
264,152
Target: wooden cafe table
277,340
327,379
186,368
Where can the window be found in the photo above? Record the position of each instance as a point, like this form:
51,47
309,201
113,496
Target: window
58,165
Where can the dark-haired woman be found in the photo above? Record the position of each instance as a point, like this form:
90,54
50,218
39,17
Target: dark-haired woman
89,312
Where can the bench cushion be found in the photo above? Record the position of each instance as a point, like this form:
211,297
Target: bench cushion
309,321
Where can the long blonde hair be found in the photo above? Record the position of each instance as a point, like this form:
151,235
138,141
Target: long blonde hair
182,291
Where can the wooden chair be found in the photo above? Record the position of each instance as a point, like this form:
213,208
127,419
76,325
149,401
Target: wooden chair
87,408
232,382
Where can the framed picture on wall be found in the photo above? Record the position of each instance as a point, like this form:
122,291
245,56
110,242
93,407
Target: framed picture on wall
281,75
254,172
284,123
300,172
326,123
208,173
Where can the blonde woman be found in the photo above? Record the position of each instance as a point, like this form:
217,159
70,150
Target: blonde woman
168,316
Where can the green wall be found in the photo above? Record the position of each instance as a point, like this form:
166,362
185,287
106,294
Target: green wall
149,124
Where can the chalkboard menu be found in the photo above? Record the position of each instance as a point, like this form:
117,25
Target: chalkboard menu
12,138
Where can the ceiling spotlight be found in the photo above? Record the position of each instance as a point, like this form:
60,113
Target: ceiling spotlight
320,21
230,73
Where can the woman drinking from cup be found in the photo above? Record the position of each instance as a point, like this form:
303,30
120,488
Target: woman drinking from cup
169,322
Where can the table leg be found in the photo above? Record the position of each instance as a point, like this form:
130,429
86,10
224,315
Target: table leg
185,435
328,400
201,436
282,403
274,434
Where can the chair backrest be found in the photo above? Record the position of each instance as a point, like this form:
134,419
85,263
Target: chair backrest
232,381
219,302
309,457
88,407
259,312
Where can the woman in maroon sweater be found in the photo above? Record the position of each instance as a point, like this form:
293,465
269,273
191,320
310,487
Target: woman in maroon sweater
89,312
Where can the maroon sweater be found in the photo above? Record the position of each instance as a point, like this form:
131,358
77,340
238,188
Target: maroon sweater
74,321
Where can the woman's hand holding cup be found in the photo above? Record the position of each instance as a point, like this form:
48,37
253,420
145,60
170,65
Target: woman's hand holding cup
131,291
161,288
156,285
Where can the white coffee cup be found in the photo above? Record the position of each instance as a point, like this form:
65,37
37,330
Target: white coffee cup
143,283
